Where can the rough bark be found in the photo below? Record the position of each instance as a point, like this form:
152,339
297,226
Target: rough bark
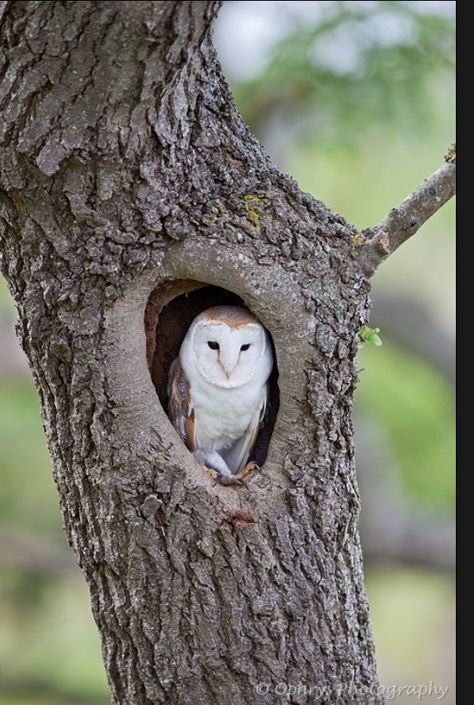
124,167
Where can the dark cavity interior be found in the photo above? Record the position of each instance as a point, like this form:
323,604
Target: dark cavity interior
170,311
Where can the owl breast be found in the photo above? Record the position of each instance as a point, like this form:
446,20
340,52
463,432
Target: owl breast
223,415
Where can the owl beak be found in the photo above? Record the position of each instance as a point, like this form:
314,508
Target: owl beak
228,371
228,363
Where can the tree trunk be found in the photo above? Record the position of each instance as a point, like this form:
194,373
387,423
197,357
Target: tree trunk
130,186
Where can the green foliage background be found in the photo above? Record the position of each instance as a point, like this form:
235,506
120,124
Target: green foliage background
367,137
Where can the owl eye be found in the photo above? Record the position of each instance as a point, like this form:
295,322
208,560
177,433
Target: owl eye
245,347
213,345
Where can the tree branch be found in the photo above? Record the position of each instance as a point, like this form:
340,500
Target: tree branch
405,220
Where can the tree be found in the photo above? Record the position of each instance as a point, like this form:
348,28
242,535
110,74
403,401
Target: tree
132,196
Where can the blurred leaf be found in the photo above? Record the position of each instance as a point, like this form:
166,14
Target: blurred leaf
7,307
415,407
412,613
57,646
359,63
28,497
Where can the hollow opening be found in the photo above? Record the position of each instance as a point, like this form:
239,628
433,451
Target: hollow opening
171,308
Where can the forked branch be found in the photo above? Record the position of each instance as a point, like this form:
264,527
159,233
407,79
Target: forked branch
405,220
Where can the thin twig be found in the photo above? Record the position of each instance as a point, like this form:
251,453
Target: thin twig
402,222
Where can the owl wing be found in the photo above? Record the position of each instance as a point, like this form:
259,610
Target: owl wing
237,456
180,404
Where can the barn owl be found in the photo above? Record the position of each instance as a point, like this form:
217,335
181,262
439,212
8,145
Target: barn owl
218,389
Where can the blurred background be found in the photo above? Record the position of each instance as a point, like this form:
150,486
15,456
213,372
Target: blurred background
356,101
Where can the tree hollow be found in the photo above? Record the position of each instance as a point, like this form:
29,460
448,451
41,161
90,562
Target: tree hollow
170,310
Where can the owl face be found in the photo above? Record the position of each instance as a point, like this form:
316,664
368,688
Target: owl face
227,348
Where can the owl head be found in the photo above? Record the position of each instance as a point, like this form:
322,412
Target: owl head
227,347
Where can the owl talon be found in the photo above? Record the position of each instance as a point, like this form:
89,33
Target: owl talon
212,473
229,480
237,479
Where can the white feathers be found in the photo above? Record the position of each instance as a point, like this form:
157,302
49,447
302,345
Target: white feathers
218,387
